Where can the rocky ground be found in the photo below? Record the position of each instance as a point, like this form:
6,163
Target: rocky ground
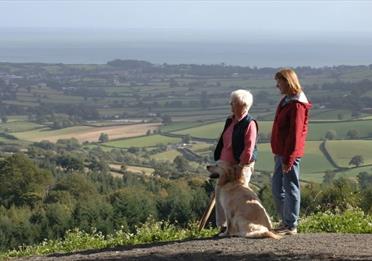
298,247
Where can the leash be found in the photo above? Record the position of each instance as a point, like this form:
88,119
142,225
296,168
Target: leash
203,221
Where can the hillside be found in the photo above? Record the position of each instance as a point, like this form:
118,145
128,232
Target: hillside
299,247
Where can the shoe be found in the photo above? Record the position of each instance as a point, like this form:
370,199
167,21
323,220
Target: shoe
286,231
220,232
281,226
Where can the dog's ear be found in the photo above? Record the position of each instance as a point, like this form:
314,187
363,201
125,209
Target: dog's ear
214,174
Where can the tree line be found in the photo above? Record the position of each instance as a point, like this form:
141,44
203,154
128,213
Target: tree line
63,185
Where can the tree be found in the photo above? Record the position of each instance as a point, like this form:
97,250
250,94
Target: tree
4,119
103,137
166,119
329,177
181,163
357,160
364,180
331,135
352,134
21,181
186,139
341,195
70,162
133,205
204,100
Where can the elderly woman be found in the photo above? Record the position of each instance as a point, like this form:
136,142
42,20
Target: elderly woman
287,143
237,144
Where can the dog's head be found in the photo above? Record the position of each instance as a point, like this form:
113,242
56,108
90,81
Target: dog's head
226,174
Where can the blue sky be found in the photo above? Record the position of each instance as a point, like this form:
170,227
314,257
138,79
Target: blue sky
242,16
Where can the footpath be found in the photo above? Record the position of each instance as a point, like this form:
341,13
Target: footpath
322,246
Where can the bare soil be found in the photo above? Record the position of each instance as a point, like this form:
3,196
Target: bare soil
299,247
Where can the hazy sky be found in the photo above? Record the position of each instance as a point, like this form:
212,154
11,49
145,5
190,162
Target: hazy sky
259,16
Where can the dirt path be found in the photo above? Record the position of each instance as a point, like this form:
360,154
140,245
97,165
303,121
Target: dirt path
299,247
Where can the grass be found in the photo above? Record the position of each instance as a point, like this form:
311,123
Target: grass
47,133
168,155
174,126
134,169
87,133
77,240
17,118
330,114
317,129
144,141
343,150
200,147
312,162
13,126
353,172
209,131
351,221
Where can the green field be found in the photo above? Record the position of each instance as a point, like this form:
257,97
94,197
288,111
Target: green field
174,126
19,126
330,114
167,155
353,172
317,129
312,162
47,133
209,131
343,150
145,141
200,147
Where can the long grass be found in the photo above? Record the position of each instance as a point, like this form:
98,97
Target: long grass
77,240
351,221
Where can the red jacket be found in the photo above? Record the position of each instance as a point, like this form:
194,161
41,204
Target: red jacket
290,128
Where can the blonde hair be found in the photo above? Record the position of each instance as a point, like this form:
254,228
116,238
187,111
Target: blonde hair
243,97
289,75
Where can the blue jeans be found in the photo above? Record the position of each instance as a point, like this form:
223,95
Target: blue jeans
286,192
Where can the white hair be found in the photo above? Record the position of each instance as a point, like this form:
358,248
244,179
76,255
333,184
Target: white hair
243,97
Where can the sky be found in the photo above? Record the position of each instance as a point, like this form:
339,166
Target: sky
295,32
192,15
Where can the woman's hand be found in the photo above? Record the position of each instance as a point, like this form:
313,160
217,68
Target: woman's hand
286,168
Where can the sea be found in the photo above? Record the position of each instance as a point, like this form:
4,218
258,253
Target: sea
255,50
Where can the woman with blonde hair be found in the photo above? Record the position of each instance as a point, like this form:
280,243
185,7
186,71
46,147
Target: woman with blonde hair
287,144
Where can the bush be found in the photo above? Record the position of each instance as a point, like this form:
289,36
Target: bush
151,231
351,221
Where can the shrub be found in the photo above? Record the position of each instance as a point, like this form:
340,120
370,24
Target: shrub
351,221
74,240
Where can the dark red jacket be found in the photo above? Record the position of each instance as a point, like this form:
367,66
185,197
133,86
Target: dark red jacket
290,129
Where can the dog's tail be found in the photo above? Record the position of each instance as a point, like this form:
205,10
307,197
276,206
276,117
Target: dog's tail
271,234
263,234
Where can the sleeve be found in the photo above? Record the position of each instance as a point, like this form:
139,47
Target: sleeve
249,141
294,142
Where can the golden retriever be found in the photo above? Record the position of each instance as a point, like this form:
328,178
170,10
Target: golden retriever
245,215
